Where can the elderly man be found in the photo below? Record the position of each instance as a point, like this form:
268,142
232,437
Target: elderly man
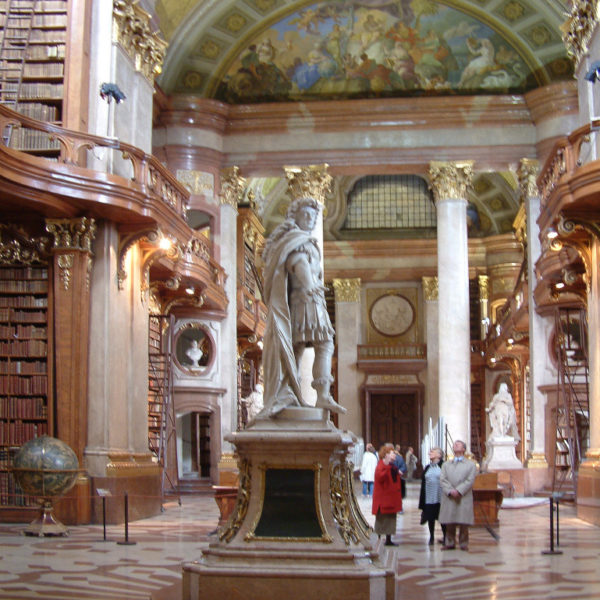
456,481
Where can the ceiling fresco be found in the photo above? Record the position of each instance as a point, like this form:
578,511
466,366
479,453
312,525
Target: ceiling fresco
275,50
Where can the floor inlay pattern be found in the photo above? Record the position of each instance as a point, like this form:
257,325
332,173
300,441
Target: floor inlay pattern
84,567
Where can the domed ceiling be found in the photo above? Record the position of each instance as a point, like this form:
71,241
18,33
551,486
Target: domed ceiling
247,51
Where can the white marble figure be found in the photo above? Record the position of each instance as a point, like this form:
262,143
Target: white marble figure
254,401
195,354
297,313
503,418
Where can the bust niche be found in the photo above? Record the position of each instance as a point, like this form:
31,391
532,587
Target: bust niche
194,348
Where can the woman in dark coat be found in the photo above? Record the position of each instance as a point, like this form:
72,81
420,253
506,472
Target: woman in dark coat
430,496
387,496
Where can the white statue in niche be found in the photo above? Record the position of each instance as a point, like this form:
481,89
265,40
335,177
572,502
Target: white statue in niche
503,417
195,354
254,401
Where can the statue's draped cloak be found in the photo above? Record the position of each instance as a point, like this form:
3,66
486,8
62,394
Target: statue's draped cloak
282,382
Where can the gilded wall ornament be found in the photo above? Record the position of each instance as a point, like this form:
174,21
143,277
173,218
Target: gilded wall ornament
197,182
430,287
312,181
347,290
65,264
450,180
17,246
484,287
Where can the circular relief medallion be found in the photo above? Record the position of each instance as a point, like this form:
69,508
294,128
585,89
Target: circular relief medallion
392,315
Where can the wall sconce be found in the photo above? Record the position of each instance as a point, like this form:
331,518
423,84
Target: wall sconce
493,359
551,233
559,285
165,243
190,290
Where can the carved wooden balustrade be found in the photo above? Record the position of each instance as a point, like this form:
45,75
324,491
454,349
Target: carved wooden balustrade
155,180
565,159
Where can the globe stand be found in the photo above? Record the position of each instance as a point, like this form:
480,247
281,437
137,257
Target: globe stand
46,523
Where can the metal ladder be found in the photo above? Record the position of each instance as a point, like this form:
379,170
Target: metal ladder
14,46
572,407
161,412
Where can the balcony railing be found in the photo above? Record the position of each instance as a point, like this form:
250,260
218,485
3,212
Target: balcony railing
76,148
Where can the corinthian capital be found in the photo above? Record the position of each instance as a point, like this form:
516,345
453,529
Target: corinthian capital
579,27
312,181
232,186
347,290
430,288
76,234
527,174
450,180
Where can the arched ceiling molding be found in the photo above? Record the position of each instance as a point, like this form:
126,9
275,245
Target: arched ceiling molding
212,34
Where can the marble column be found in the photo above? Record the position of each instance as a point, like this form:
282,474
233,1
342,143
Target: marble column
588,481
232,189
347,327
450,182
314,182
430,293
541,371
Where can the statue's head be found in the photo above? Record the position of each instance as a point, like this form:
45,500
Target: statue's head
297,205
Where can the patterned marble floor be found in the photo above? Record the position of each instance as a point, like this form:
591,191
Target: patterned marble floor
84,567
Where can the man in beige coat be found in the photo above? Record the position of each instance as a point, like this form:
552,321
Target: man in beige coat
456,481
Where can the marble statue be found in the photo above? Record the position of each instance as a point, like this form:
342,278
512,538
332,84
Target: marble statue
254,401
195,354
503,418
297,313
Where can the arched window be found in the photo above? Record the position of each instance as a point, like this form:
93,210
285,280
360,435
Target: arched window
390,202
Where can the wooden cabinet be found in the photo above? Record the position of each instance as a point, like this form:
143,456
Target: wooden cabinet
25,373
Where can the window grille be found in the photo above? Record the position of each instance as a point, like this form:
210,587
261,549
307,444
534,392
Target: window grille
390,202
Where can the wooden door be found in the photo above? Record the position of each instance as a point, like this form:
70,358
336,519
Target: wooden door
395,418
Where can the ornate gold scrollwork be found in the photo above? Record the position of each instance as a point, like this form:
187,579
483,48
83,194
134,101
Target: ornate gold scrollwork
352,526
65,264
228,531
232,186
579,27
450,180
20,247
430,287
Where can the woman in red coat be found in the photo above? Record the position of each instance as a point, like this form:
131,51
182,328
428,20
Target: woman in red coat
387,495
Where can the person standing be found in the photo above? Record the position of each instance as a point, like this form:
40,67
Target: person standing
456,480
387,497
431,492
367,470
411,462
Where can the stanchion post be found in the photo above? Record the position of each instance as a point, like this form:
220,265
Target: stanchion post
552,550
126,541
103,493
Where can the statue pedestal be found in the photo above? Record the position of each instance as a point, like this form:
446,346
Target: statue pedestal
296,530
500,454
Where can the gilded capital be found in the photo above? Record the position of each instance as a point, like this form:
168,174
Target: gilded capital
312,181
537,460
430,288
131,30
232,186
450,180
347,290
484,287
577,30
527,174
76,234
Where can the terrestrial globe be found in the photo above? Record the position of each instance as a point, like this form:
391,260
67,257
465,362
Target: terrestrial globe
45,467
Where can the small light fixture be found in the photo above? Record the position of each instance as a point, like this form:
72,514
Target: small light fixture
260,344
493,360
190,290
559,286
551,233
165,243
511,341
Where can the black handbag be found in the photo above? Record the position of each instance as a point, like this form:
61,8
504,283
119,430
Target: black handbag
403,488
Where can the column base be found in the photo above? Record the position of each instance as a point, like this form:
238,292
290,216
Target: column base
588,488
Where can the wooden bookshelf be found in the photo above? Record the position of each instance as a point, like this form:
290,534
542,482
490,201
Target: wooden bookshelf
36,69
25,373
